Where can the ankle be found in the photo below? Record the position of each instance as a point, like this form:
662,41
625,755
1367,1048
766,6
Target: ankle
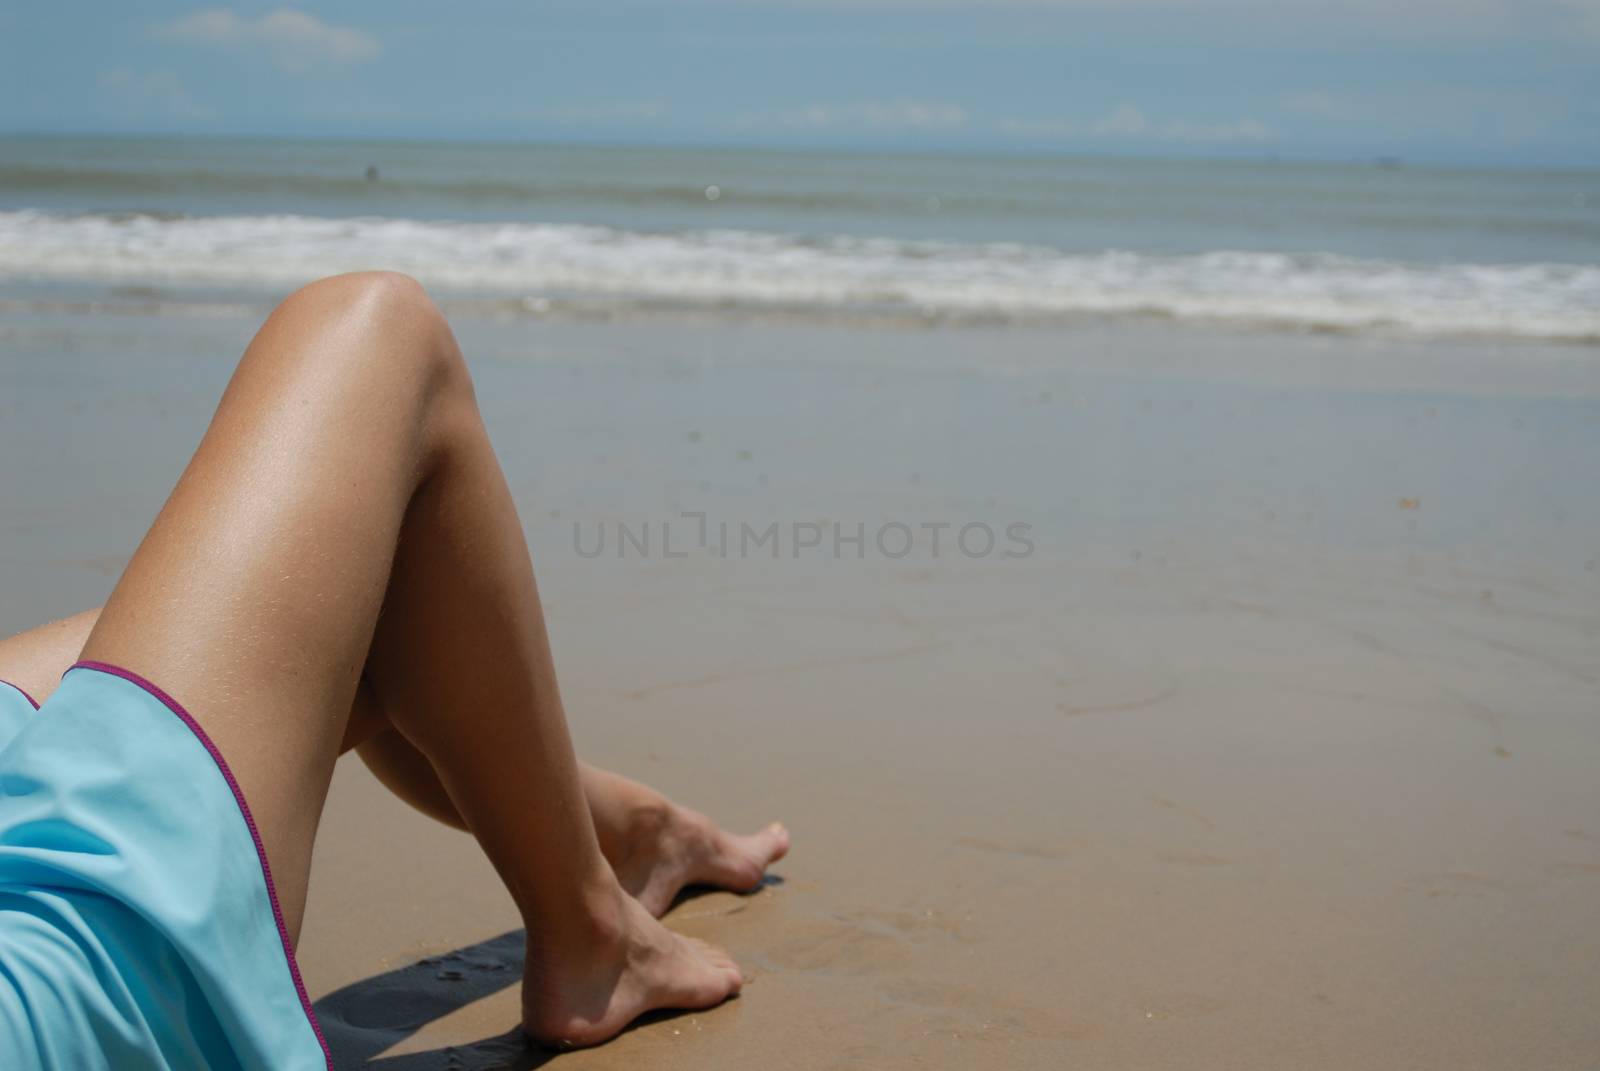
588,918
648,822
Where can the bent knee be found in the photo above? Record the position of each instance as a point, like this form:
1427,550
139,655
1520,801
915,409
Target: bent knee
388,298
392,292
416,339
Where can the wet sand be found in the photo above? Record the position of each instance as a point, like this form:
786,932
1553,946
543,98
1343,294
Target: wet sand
1278,749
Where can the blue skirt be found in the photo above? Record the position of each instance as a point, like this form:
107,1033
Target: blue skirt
139,927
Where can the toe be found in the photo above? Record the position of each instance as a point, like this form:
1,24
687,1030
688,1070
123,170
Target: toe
775,842
744,859
721,962
730,970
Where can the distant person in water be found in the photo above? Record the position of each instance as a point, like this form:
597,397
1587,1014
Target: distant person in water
340,566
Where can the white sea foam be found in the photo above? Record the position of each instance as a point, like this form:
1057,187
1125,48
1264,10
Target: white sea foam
732,269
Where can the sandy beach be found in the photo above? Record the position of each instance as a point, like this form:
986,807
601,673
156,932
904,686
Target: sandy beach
1275,748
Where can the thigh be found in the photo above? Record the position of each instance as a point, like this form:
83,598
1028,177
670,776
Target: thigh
252,600
34,660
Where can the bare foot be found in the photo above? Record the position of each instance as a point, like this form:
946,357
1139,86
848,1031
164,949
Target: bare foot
657,848
627,965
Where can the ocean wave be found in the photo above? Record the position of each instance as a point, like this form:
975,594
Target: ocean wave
743,270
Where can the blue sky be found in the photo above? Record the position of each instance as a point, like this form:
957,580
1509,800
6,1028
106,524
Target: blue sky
1490,81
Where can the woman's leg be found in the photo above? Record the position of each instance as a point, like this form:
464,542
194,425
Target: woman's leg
655,846
34,660
345,515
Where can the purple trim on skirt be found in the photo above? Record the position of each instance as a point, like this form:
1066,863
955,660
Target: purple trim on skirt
244,809
31,701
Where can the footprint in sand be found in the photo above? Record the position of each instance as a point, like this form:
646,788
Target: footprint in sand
866,942
1259,609
399,1001
919,925
1193,859
970,1012
836,946
1453,885
1112,693
1020,849
1181,1006
1188,812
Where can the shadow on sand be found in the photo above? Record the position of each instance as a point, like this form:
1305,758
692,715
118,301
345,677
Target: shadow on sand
369,1017
372,1015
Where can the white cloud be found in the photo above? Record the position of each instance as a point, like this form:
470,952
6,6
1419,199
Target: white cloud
159,93
1040,129
877,115
1127,122
1237,131
296,39
1448,112
1124,120
627,111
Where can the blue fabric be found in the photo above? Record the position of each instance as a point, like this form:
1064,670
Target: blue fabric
16,711
137,929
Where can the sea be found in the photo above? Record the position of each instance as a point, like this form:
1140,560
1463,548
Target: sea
537,230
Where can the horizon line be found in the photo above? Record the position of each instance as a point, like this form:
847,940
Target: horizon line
1371,159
